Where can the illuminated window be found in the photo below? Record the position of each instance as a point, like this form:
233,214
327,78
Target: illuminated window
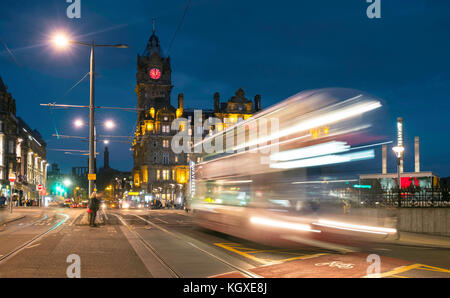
165,128
166,143
158,174
165,174
176,158
149,127
165,158
145,175
11,147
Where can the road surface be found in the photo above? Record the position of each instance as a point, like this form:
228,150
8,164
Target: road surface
166,243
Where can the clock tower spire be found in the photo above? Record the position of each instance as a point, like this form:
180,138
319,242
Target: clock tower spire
153,78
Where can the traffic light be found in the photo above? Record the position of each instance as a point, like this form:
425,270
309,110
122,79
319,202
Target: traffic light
60,188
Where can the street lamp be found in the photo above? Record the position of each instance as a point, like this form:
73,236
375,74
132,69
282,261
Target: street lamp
398,150
62,41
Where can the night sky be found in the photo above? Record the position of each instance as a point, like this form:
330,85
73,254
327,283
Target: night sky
272,48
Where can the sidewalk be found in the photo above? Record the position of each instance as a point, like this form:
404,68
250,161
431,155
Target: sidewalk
407,238
6,217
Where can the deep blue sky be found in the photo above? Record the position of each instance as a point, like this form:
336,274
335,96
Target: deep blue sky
272,48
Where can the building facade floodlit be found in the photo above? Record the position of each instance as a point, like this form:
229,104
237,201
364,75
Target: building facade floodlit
22,152
158,171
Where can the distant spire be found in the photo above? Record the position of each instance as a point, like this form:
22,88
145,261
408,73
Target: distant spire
153,45
2,86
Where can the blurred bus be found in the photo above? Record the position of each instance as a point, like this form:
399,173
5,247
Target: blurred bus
278,180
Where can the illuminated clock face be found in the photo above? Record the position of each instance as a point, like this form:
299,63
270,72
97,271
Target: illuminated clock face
155,73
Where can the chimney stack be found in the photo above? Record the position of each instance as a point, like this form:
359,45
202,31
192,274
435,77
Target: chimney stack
416,155
181,101
257,102
216,102
106,158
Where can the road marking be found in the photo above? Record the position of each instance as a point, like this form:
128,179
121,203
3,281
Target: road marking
161,220
397,270
337,264
244,254
412,267
436,269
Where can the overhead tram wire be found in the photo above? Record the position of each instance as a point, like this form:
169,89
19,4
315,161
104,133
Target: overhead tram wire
76,84
65,106
179,26
14,58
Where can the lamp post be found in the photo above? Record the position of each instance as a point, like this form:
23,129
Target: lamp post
62,42
398,153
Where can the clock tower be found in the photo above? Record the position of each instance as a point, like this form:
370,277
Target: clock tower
153,78
157,170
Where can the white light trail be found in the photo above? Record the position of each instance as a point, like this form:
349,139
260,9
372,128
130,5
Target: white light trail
281,224
353,227
324,160
311,151
322,120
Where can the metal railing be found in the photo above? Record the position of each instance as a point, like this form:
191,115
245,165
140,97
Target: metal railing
409,198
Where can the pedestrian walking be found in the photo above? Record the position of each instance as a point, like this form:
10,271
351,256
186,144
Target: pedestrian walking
94,205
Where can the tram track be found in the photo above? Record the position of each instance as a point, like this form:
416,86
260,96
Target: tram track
39,236
166,264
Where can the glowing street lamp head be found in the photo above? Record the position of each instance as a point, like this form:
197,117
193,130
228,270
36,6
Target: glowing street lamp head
106,142
78,123
109,124
398,150
60,40
67,182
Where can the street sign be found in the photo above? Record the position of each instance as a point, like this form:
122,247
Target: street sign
92,176
12,177
39,187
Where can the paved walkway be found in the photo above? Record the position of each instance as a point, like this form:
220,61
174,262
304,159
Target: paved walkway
6,216
423,240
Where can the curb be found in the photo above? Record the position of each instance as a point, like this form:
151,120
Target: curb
11,220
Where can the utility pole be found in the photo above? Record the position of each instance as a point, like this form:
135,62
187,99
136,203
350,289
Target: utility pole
91,121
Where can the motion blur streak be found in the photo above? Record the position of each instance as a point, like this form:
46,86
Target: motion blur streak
281,224
234,182
320,143
324,118
333,117
356,228
325,160
311,151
